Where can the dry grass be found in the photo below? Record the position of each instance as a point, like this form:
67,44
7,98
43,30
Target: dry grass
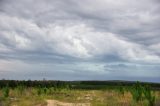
94,97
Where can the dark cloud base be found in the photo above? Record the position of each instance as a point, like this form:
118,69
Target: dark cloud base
74,40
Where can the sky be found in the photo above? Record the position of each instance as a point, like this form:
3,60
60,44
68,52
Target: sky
80,40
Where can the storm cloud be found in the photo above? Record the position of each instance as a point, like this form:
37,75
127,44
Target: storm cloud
80,40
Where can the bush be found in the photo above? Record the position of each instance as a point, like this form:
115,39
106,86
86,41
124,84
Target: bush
39,91
45,90
5,91
140,92
149,96
137,92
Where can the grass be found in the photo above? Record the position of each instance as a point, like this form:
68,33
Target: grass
95,97
136,95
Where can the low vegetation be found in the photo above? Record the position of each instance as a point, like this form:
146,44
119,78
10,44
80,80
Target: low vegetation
96,93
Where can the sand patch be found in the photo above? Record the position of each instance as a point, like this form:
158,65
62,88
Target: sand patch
59,103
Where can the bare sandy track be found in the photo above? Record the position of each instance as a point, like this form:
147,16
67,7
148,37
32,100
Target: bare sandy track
58,103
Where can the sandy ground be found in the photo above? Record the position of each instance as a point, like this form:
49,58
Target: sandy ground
58,103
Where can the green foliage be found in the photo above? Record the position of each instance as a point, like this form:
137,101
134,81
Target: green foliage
39,91
149,95
45,90
77,91
140,92
137,92
20,89
121,90
5,91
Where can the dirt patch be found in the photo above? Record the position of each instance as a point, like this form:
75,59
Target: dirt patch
59,103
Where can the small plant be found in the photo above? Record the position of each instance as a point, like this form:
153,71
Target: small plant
149,96
39,91
140,92
20,89
45,90
5,92
121,90
137,92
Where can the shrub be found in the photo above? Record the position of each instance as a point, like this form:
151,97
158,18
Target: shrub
149,96
39,91
5,91
140,92
45,90
137,92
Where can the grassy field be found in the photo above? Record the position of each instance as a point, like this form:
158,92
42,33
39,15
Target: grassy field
136,94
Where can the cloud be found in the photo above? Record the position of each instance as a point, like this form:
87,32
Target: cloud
85,33
77,40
